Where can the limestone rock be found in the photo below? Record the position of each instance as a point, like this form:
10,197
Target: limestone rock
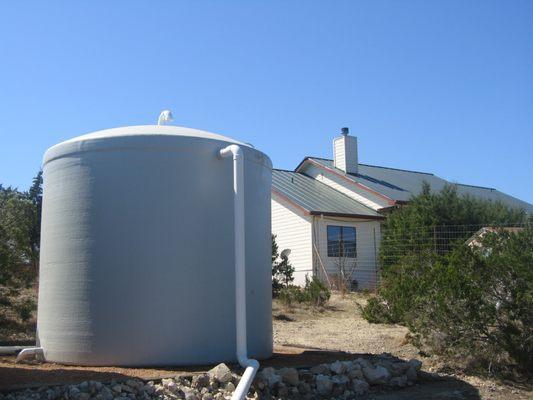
191,395
398,381
321,369
362,362
376,375
230,387
221,373
200,381
289,376
269,376
355,374
304,388
359,387
324,385
411,374
306,376
338,367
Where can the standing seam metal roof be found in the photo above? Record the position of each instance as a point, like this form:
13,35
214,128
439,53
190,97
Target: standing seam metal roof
315,196
401,185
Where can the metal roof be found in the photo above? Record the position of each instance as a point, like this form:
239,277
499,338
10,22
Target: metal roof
401,185
316,197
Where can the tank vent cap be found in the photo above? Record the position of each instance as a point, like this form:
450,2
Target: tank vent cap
165,117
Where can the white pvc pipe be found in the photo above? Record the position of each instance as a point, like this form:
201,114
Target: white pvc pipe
31,352
9,350
251,366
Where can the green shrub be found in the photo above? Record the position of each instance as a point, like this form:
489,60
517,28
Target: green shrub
401,287
468,302
444,215
314,293
474,302
481,302
290,295
375,311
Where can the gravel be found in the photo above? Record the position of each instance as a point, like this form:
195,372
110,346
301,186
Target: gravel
339,380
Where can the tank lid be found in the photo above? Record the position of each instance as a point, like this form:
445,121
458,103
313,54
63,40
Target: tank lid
100,139
151,130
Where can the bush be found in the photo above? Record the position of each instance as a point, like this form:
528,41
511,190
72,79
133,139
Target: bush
480,302
458,300
444,215
290,295
401,287
314,293
474,302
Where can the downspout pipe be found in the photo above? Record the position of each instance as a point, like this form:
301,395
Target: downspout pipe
251,366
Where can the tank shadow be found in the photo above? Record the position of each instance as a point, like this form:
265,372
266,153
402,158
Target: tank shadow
13,378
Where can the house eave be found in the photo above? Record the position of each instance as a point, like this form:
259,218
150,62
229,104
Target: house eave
347,215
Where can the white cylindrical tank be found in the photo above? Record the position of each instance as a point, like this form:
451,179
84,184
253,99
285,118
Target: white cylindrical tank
137,249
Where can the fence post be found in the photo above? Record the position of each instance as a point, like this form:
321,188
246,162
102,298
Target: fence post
435,238
376,265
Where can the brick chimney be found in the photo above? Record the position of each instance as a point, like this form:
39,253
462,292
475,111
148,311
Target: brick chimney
345,152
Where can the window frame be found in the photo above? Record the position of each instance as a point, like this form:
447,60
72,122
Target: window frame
340,251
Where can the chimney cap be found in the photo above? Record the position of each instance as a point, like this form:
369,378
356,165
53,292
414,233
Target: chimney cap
345,131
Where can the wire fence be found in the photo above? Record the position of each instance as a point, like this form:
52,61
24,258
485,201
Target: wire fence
439,239
378,252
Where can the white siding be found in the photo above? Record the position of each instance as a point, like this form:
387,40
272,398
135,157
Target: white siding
293,231
361,195
367,236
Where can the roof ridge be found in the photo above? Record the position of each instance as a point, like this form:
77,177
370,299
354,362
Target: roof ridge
399,169
285,170
378,166
476,186
319,158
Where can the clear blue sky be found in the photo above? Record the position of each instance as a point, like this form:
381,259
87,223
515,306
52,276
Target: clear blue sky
439,86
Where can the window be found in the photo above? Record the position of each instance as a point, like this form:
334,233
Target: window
341,241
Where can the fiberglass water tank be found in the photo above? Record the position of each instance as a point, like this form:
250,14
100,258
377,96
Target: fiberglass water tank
137,249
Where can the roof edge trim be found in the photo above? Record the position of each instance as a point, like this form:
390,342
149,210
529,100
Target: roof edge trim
346,215
310,160
291,201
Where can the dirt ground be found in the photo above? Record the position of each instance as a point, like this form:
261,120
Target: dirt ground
341,327
303,336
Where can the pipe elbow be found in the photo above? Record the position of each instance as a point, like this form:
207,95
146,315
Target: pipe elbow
232,149
31,352
246,362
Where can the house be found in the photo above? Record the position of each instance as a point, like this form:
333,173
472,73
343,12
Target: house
476,240
329,212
